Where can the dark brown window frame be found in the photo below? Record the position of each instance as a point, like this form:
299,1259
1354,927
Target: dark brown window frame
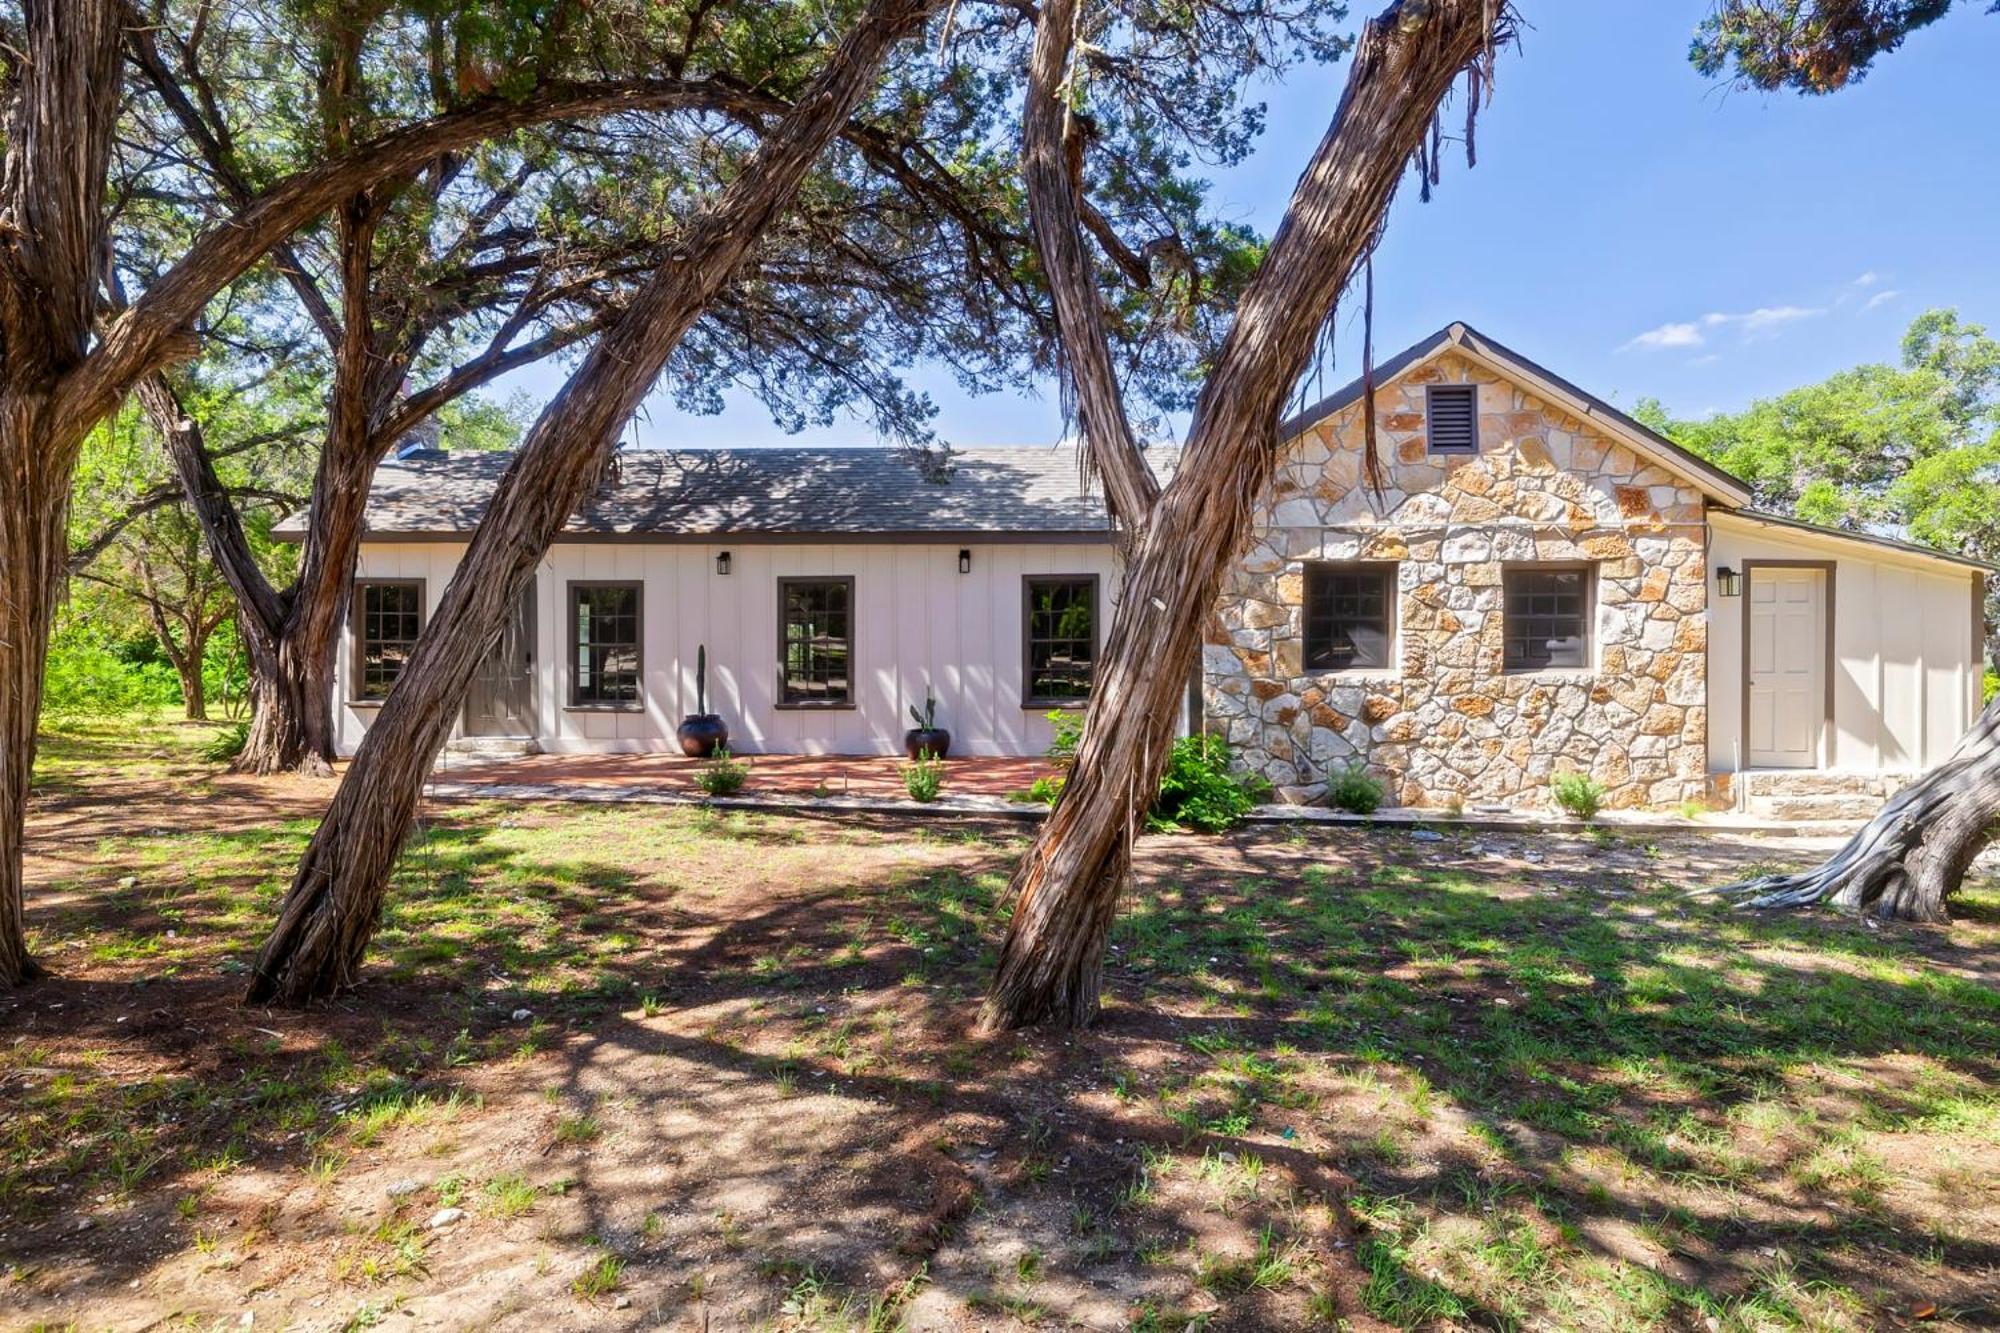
1430,409
570,646
357,618
1391,610
1588,569
817,705
1029,699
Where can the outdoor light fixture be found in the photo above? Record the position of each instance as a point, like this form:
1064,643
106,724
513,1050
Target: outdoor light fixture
722,562
1728,582
964,561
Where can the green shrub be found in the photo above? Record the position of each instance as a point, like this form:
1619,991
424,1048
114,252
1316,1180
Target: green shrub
1067,724
924,779
1198,790
1047,789
226,744
1990,686
1353,790
722,775
1579,793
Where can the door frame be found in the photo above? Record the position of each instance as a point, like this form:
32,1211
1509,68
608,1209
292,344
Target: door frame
1831,569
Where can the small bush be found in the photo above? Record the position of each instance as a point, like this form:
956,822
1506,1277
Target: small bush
1047,789
924,779
1198,791
1067,724
722,775
1989,687
1353,790
1579,793
226,744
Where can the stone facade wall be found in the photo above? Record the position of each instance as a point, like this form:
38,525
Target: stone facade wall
1449,724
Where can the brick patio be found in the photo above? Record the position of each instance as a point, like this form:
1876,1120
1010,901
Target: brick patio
787,775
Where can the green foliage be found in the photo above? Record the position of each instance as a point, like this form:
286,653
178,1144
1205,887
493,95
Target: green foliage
1047,789
91,673
1578,793
1067,724
1353,790
1989,687
227,743
1808,46
722,774
1199,791
924,779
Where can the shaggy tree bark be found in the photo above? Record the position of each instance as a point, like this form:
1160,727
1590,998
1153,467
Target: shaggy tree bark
1066,889
55,385
336,897
1910,859
63,104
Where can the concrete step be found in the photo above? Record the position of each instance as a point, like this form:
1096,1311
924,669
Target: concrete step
1815,808
493,747
1790,782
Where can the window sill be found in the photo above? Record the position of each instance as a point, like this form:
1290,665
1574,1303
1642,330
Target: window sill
365,703
604,708
1063,705
815,707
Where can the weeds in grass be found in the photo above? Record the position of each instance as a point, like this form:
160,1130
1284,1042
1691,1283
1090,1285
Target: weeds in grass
601,1278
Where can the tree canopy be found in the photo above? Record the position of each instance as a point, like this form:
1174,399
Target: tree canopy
1807,46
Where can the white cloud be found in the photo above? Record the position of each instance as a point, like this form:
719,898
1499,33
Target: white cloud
1868,279
1752,325
1667,335
1706,360
1765,321
1880,297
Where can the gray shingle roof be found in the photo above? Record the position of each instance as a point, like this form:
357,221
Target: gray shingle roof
703,492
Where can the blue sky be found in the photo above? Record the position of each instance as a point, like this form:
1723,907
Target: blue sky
1633,227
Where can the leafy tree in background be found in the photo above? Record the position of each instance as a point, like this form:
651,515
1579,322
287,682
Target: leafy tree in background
1808,46
1911,449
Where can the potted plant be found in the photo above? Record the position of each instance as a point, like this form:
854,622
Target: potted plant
927,737
701,732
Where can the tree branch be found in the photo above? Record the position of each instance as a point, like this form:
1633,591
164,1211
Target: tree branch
1130,488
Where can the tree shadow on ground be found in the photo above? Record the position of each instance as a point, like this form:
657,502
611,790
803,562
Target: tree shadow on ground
1521,1085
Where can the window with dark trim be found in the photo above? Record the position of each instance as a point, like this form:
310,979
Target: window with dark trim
1548,615
604,645
1451,418
816,643
1061,638
1350,616
388,615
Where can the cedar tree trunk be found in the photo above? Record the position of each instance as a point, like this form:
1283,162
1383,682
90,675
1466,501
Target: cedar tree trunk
1066,889
59,119
336,897
1910,859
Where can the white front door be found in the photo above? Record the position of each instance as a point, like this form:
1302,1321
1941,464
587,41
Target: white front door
1787,666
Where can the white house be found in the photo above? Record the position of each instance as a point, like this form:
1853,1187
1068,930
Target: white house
1540,583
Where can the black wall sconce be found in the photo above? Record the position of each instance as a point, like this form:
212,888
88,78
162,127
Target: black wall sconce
1728,582
722,562
964,561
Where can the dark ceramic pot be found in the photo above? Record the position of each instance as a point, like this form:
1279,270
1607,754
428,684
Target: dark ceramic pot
919,739
701,735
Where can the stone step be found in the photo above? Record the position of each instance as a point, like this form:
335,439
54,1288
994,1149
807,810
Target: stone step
1815,808
1813,782
493,747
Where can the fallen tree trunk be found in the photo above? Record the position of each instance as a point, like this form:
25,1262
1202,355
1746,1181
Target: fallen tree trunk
1066,889
1912,856
336,898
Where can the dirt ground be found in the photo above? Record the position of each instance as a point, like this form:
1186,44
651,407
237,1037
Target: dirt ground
634,1067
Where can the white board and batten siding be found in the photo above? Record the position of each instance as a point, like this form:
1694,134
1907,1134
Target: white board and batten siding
1905,669
917,621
